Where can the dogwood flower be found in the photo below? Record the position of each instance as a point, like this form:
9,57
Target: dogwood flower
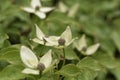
81,45
34,66
64,40
37,9
41,38
61,41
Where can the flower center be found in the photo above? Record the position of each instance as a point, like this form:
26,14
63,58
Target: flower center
41,67
37,8
46,36
61,41
84,49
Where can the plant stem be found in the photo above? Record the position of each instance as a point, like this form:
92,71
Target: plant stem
63,57
42,49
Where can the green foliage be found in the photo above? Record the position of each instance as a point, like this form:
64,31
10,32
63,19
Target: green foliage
99,20
90,63
11,72
69,70
86,74
10,54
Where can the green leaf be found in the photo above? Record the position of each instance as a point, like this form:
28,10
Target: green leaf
58,18
107,46
86,74
89,62
3,37
69,78
116,72
3,64
11,55
10,48
116,38
11,72
105,60
70,54
69,70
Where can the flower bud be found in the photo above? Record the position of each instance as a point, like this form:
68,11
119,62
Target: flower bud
41,67
61,41
46,36
37,8
84,49
62,57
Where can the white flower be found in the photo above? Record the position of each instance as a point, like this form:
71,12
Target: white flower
41,38
61,41
32,63
81,45
37,9
64,40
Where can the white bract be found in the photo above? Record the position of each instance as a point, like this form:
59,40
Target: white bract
62,7
70,11
61,41
81,45
37,9
32,63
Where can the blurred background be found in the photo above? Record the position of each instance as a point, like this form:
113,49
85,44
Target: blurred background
99,20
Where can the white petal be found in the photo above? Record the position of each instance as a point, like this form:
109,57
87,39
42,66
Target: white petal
82,43
67,44
28,57
39,33
38,41
67,35
52,40
63,8
35,3
42,42
28,9
51,66
75,44
41,15
92,49
46,59
73,10
30,71
46,9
